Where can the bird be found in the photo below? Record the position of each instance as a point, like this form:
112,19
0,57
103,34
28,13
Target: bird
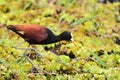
35,34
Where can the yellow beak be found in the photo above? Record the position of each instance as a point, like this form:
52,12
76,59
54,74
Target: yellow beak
73,41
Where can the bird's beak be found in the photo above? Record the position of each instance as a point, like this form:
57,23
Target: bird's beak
73,41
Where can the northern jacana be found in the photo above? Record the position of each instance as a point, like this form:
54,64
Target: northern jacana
35,34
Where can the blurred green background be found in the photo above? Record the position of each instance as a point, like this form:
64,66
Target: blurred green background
94,26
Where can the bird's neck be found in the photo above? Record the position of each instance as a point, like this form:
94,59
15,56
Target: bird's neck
56,39
52,38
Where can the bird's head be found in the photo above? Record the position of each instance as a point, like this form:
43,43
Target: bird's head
66,35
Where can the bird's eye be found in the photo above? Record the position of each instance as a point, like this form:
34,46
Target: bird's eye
21,32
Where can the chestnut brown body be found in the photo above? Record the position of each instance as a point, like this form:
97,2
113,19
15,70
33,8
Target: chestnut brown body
35,34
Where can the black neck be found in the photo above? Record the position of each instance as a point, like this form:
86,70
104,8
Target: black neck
52,38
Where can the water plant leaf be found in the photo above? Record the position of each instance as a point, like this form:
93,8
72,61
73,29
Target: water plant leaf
98,60
80,21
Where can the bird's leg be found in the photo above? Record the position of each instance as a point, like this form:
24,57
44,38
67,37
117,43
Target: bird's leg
16,47
36,51
30,60
25,55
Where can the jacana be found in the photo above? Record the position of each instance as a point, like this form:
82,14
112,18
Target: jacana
35,34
